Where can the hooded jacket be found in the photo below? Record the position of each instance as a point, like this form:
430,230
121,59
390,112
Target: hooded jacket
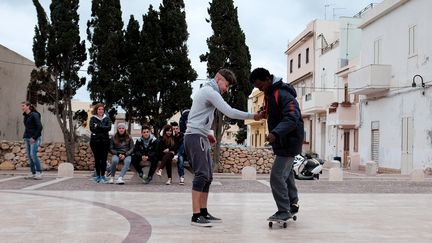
33,125
205,102
100,128
146,147
284,119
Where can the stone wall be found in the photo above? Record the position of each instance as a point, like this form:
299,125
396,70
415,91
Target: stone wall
233,159
13,156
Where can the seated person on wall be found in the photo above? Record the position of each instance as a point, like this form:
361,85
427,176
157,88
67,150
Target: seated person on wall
145,151
166,150
121,148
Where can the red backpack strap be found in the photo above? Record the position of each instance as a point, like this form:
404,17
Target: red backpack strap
276,95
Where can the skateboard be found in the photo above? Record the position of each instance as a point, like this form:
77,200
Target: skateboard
282,223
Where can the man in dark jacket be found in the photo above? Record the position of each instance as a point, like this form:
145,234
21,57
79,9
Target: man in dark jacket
146,151
285,125
32,138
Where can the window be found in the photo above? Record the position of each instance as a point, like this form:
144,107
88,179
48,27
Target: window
299,61
307,55
346,95
412,40
291,65
377,51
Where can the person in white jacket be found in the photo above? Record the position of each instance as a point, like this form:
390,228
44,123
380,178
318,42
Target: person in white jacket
198,139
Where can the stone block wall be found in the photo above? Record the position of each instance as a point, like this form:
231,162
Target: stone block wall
13,155
233,159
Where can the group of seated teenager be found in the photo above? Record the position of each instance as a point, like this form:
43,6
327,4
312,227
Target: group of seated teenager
147,150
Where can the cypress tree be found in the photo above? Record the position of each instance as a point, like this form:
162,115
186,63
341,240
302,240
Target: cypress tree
129,91
59,54
178,73
151,55
228,49
105,34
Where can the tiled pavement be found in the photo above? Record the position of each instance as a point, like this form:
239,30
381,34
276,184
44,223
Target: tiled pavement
385,208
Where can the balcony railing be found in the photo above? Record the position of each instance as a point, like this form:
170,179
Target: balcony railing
371,79
316,102
343,115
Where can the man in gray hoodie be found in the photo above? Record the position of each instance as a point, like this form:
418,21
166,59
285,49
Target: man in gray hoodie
198,139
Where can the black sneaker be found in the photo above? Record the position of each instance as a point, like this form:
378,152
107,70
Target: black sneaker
147,180
212,218
280,215
201,221
294,208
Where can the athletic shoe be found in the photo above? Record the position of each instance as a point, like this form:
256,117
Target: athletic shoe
159,172
103,180
38,176
181,180
294,208
111,180
201,221
147,180
168,182
212,218
120,181
30,176
280,215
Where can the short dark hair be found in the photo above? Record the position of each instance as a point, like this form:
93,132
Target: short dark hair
228,75
144,127
174,124
259,74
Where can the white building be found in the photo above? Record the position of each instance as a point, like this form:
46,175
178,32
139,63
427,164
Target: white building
394,117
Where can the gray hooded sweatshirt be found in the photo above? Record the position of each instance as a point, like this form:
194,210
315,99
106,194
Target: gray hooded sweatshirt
205,102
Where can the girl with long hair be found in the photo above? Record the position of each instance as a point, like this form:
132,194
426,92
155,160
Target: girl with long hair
166,148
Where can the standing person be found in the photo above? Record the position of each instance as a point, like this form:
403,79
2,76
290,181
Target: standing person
166,151
32,138
178,139
285,125
121,148
100,125
198,138
146,151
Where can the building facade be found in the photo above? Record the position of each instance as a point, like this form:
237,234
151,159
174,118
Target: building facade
15,73
393,83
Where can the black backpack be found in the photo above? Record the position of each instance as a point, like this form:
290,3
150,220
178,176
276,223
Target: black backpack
183,120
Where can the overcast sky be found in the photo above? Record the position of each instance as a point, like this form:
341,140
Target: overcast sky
268,26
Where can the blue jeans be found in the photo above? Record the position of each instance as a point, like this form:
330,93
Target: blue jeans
32,150
180,160
115,160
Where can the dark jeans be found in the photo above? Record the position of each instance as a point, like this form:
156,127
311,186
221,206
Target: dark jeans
282,183
136,162
100,152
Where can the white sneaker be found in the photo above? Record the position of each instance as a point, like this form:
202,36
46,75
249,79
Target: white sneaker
181,180
159,172
111,180
120,181
30,176
168,182
38,176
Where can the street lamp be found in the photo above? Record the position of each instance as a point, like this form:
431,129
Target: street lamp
422,83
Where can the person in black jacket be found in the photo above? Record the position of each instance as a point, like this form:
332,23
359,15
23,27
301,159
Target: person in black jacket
286,131
32,138
145,151
100,125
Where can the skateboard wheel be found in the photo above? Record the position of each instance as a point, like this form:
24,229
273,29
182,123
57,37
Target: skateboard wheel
294,218
270,224
285,225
